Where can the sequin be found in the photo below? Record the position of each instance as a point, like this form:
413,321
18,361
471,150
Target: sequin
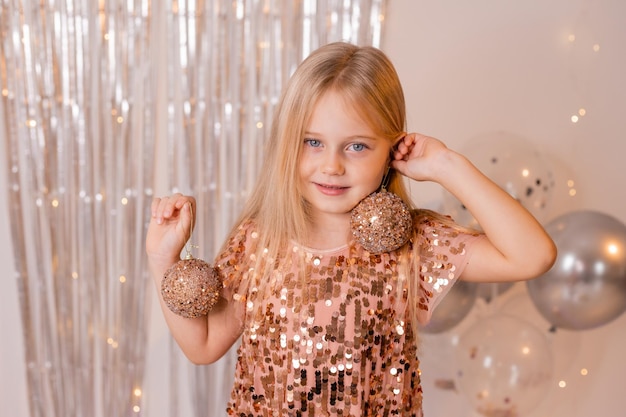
333,325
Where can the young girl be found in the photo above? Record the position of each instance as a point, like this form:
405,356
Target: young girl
327,328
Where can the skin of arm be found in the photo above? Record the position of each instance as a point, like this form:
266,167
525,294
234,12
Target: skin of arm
203,340
516,248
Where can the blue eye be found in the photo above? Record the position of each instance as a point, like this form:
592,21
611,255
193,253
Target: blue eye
313,143
358,147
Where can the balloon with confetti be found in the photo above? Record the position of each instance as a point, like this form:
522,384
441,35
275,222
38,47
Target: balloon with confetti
504,366
516,166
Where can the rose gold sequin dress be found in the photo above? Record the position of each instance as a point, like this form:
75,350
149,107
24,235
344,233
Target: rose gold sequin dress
337,341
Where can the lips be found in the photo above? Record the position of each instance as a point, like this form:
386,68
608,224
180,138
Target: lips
330,189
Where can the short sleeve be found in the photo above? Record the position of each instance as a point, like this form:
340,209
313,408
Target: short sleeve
444,253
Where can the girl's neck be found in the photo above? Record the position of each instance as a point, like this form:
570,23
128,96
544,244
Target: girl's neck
329,232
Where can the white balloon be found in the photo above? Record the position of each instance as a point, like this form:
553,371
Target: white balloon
564,344
505,366
516,166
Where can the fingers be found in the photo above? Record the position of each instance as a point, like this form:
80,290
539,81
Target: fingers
399,165
404,146
166,208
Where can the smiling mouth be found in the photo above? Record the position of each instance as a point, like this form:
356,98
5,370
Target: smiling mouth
331,190
330,186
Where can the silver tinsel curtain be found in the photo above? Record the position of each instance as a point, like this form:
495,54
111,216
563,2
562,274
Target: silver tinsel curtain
78,107
96,96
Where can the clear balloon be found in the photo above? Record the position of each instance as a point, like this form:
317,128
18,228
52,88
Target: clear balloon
586,287
565,344
438,369
505,366
453,308
516,166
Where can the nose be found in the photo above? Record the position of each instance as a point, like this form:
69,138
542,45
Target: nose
332,164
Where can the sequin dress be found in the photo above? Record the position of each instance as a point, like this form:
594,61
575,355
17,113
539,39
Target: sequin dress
337,341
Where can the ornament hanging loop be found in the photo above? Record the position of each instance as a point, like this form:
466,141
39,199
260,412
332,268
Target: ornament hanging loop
385,182
188,245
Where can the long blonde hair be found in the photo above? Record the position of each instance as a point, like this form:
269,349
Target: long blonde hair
365,77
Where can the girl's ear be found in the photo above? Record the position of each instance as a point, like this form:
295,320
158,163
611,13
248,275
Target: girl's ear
396,142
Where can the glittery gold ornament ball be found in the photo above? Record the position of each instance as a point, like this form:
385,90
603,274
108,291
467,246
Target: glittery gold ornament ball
191,287
381,222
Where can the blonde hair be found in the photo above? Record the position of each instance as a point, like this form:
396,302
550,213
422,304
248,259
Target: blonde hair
364,76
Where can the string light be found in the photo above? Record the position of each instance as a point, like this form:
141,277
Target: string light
572,190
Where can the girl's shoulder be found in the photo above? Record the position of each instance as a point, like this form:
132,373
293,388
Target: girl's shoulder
428,220
238,243
435,232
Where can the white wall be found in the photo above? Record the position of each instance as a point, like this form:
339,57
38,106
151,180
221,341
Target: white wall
472,67
469,68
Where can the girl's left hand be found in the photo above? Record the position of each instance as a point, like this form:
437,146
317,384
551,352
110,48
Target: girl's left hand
416,156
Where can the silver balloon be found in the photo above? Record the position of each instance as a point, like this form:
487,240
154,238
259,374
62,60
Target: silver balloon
453,308
488,291
586,287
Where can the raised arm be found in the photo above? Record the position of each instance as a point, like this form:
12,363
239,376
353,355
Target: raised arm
204,339
517,247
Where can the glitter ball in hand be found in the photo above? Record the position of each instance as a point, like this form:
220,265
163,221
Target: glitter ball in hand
191,287
381,222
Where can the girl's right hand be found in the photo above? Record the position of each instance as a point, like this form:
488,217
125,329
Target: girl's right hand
170,226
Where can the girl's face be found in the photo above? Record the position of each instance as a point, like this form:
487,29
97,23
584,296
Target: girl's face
342,161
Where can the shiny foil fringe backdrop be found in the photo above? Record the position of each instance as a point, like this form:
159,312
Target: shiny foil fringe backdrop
81,115
227,62
78,114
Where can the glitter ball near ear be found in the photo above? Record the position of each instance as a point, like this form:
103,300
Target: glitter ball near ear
191,287
381,222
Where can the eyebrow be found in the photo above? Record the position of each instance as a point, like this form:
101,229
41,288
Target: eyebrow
357,136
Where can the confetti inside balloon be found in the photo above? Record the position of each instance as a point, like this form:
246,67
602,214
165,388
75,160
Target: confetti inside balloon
191,287
513,163
505,366
381,222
